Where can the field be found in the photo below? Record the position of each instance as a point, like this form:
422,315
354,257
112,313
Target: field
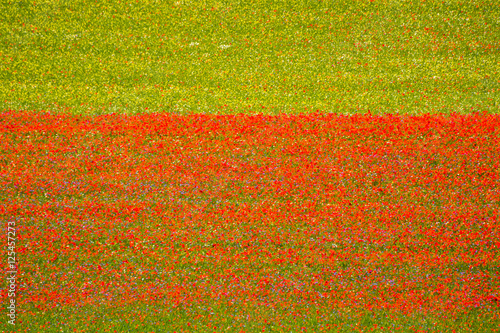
213,166
248,222
273,57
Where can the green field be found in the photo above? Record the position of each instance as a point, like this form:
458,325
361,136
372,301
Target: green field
250,56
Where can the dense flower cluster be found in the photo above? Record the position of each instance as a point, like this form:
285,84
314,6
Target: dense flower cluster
310,213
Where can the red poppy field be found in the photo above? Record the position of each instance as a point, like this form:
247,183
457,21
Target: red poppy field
233,223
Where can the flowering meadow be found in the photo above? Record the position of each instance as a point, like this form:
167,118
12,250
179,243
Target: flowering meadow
249,166
319,222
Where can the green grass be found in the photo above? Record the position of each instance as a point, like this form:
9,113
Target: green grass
385,56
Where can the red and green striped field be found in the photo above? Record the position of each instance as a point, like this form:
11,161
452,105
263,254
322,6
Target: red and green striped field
249,166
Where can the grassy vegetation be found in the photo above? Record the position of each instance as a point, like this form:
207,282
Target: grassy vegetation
386,56
107,219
